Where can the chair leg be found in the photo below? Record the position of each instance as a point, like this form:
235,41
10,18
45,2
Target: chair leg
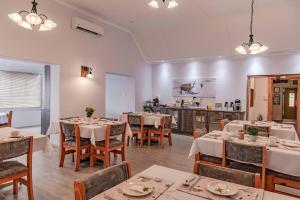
62,157
149,138
270,183
142,140
106,159
77,162
162,141
123,154
15,187
170,138
73,157
29,186
92,157
128,139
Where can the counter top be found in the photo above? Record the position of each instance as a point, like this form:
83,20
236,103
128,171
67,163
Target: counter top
196,108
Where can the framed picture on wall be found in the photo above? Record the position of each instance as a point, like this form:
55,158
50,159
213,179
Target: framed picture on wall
276,89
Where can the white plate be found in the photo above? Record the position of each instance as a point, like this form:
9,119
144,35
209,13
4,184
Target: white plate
221,189
135,190
289,144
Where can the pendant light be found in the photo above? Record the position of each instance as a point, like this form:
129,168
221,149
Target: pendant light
172,3
251,47
32,19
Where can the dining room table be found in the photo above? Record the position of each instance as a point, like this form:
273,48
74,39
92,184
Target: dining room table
278,154
164,183
283,131
94,129
40,142
150,119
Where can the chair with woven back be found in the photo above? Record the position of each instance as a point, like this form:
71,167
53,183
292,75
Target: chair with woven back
114,143
163,131
71,142
226,174
101,181
245,157
262,130
9,120
136,123
13,170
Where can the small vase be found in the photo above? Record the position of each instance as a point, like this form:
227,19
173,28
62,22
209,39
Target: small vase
252,138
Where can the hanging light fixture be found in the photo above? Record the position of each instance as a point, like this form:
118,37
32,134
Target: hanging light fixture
172,3
251,47
31,19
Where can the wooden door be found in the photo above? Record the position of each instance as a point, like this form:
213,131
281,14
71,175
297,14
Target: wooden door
290,99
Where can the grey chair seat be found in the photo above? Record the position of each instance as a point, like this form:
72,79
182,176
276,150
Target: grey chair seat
10,168
138,127
210,159
244,167
284,176
112,143
72,142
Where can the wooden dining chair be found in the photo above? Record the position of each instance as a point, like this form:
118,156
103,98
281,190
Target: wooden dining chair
245,157
114,143
163,131
276,178
15,171
197,133
71,143
101,181
9,120
262,130
139,131
223,123
226,174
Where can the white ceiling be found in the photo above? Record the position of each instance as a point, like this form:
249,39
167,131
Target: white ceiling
200,28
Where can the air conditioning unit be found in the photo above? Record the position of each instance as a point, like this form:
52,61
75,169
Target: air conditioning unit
86,26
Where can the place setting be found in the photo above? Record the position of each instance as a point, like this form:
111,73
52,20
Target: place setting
138,187
213,189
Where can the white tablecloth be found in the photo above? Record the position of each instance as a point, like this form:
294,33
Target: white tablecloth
3,118
93,130
151,119
283,131
40,142
280,160
178,177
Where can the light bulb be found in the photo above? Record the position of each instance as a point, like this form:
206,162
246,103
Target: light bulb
33,19
90,75
47,25
24,24
241,50
172,4
154,4
264,48
16,17
255,46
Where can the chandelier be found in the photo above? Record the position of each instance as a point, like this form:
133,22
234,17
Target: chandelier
172,3
251,47
32,19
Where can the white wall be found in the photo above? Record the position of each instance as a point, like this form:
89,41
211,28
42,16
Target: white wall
231,74
115,52
260,98
119,95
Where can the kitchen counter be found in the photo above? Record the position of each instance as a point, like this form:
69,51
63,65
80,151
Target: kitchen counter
190,118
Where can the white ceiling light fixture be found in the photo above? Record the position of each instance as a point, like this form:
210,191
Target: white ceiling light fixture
251,47
172,3
32,19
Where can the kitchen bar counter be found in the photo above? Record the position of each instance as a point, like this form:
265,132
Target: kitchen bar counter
190,118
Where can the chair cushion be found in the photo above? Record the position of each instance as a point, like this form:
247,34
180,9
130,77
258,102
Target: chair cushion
210,159
72,142
138,127
112,143
10,168
244,167
284,176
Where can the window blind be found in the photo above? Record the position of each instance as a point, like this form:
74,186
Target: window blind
20,90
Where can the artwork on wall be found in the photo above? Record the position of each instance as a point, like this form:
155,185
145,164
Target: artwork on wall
200,87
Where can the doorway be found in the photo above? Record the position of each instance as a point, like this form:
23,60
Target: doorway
289,105
119,95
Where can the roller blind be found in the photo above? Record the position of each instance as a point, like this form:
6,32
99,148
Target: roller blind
20,90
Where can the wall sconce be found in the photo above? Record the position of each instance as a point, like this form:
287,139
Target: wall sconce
86,72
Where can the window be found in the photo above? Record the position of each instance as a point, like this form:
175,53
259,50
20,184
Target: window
292,96
20,90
